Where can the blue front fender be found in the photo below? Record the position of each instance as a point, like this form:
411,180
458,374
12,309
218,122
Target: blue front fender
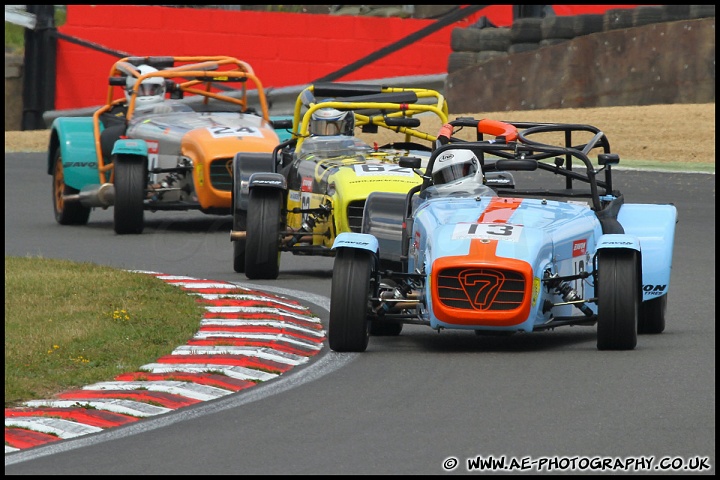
654,227
362,241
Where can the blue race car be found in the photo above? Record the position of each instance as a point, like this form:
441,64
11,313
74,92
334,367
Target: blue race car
520,232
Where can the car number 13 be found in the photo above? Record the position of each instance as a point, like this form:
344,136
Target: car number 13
490,231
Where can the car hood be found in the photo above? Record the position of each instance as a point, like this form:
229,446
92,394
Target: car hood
220,132
521,228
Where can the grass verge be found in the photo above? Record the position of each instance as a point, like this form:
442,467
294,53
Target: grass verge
71,324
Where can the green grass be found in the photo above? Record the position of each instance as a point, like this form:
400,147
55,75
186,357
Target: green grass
71,324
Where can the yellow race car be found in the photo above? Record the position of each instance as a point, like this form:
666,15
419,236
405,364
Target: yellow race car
314,185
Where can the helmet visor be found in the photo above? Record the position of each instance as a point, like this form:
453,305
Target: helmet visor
453,172
150,89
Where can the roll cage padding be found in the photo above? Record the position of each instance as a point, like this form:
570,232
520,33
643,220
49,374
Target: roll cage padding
344,89
608,216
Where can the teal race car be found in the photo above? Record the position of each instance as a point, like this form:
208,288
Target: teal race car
164,139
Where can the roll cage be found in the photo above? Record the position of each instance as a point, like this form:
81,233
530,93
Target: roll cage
204,77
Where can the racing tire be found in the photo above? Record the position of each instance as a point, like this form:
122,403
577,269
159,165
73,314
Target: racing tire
652,315
348,326
379,328
66,213
239,246
385,329
262,242
618,299
130,180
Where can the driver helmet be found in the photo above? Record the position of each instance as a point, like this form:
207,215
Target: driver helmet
454,164
150,91
329,121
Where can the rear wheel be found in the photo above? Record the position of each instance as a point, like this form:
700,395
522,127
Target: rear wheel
381,328
239,225
618,294
349,327
66,213
262,252
652,315
130,180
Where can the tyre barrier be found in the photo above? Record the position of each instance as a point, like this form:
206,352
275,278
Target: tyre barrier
246,337
530,33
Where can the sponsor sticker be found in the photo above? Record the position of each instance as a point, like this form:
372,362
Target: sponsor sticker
306,185
579,248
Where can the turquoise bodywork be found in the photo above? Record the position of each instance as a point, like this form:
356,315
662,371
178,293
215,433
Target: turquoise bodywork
74,137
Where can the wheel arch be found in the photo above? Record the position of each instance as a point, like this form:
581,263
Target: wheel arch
245,164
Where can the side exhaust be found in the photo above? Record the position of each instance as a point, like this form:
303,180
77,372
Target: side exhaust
94,196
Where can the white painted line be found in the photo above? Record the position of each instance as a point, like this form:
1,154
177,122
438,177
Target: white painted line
230,370
128,407
266,337
265,353
235,322
186,389
54,426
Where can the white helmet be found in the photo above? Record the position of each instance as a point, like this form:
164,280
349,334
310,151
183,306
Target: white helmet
329,121
150,91
454,164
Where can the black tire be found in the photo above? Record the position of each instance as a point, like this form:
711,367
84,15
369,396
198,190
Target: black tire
652,315
239,246
618,293
66,213
130,182
378,328
349,327
618,18
459,60
558,27
587,24
526,30
523,47
647,14
262,249
385,329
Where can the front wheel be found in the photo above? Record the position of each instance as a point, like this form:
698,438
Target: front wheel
349,327
618,299
66,213
130,182
262,252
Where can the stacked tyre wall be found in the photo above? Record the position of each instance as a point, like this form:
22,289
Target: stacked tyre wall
667,52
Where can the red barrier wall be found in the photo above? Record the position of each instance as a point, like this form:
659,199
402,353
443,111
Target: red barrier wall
284,49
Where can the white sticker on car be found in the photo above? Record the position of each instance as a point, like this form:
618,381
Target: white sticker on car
243,131
382,169
487,231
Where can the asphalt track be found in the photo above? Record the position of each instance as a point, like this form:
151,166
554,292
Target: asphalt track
409,404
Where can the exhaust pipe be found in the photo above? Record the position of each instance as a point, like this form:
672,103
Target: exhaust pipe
94,196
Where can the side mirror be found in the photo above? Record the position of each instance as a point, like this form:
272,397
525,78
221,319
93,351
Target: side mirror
284,123
608,159
410,162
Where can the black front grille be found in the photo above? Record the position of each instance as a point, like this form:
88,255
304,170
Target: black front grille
221,174
484,289
355,215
